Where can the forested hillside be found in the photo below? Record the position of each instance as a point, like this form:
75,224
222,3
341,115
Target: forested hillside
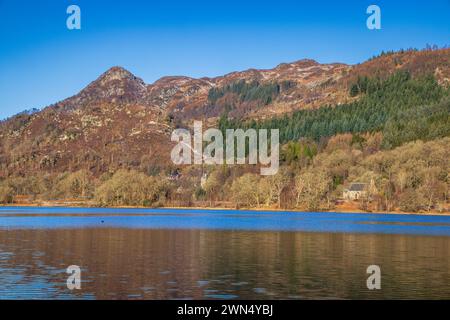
401,107
384,123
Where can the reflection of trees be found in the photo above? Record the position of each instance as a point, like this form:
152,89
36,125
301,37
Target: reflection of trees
157,264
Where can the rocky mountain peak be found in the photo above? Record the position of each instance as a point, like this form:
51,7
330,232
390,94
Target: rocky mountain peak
116,85
118,74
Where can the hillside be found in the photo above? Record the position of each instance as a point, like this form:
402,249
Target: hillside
118,121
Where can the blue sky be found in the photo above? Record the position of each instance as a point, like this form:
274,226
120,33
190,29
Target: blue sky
42,62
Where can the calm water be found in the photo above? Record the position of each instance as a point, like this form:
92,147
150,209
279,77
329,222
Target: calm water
214,254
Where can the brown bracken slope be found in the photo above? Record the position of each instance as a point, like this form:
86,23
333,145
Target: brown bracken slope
120,121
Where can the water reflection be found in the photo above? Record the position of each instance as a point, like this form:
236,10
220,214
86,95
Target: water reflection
122,263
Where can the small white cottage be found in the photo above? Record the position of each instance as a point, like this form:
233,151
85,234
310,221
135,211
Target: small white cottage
355,191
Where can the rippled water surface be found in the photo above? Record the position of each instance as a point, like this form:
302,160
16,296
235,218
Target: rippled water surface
197,254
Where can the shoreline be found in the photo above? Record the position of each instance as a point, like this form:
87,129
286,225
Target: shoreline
336,210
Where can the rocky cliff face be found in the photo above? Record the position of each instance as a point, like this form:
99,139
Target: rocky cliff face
120,121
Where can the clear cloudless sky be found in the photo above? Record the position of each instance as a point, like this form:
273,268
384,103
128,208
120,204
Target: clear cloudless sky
42,62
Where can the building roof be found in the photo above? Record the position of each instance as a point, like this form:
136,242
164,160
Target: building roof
357,187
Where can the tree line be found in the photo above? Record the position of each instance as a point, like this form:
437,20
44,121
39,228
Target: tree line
412,177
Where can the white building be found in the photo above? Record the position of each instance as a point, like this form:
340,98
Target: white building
355,191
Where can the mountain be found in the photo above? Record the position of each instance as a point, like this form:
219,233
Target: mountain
119,121
115,86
